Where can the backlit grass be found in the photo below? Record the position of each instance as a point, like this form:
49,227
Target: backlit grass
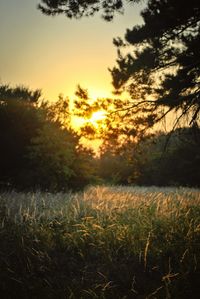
108,242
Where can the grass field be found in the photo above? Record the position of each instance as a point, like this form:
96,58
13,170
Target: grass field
107,242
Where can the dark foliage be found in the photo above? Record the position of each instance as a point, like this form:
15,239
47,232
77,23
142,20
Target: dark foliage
149,162
177,165
80,8
37,150
164,65
20,122
20,93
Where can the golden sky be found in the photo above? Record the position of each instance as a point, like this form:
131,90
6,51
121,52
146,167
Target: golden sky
56,54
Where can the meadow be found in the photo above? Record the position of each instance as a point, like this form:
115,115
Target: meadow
105,242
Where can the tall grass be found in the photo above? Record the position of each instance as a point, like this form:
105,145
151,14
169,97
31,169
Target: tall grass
107,242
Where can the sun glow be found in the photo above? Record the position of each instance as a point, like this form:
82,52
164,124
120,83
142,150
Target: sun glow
94,120
96,117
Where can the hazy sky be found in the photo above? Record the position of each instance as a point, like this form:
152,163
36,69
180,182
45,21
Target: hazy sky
55,53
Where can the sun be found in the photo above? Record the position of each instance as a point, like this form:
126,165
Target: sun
96,117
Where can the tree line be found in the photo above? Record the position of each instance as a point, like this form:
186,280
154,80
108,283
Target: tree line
40,149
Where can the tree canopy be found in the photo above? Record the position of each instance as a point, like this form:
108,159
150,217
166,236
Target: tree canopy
119,128
21,93
163,67
80,8
39,149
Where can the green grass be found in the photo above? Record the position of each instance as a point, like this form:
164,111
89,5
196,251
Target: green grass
108,242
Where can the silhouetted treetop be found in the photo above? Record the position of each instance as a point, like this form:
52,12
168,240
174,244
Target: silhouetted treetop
80,8
164,63
20,93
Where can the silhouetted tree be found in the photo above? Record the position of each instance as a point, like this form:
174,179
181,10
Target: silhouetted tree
163,68
38,148
20,92
58,111
179,164
148,163
51,157
19,122
119,126
80,8
85,168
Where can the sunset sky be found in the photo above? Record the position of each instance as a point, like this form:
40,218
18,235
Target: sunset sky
56,54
